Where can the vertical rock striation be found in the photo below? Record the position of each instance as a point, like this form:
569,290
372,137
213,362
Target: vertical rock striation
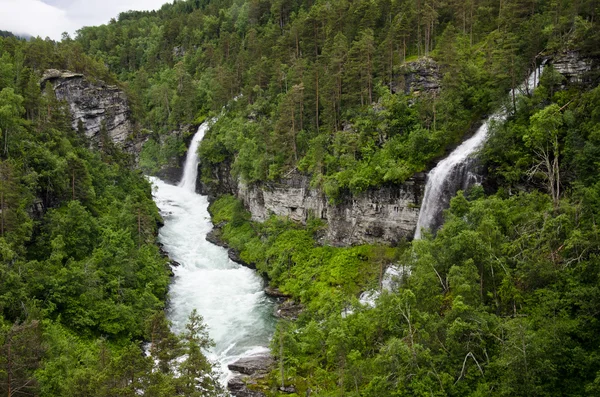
94,105
385,215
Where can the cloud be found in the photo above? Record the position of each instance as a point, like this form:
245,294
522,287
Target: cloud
33,17
52,17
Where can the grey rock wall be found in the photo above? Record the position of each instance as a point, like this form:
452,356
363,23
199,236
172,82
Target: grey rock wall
94,104
417,77
573,66
385,215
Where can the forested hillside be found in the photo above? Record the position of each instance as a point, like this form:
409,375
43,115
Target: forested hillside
82,281
305,75
502,301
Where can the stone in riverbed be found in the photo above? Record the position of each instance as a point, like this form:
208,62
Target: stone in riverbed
234,255
250,370
253,365
214,237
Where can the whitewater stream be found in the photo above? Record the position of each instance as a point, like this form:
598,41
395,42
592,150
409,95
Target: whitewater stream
230,297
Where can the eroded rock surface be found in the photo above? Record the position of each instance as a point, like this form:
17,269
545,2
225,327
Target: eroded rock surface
252,365
388,214
94,105
573,66
420,76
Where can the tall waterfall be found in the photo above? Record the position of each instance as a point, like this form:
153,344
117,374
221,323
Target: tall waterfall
455,172
190,169
230,297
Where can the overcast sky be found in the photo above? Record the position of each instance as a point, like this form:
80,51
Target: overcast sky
52,17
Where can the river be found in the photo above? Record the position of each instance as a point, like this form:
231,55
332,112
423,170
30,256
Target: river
230,297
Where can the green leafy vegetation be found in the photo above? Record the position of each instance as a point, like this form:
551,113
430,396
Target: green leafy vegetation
306,74
502,301
321,277
82,281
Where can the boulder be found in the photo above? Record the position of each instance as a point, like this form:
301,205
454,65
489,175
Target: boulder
253,365
234,255
214,237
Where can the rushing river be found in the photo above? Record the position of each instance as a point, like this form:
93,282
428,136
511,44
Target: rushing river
230,297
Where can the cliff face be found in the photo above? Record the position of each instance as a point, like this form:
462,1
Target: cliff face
422,76
574,67
385,215
95,104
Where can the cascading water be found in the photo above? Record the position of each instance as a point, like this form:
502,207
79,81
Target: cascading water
229,297
455,172
190,169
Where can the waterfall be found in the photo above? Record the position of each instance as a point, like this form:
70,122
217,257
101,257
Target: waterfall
190,169
456,171
230,298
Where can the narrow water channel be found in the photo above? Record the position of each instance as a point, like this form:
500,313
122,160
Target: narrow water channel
230,297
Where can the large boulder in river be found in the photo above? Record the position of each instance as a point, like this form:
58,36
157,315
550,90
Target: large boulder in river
253,365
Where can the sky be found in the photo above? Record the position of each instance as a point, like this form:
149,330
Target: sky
50,18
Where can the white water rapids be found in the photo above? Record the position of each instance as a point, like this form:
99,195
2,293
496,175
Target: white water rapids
229,297
453,173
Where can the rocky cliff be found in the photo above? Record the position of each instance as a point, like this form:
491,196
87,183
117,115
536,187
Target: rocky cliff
94,104
573,66
385,215
417,77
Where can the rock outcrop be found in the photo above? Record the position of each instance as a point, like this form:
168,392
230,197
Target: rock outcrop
420,76
172,171
573,66
94,105
385,215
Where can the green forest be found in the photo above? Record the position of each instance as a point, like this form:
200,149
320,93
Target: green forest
82,281
502,301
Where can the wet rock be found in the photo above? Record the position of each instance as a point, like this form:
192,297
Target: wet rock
214,237
172,171
288,310
161,249
251,370
253,365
